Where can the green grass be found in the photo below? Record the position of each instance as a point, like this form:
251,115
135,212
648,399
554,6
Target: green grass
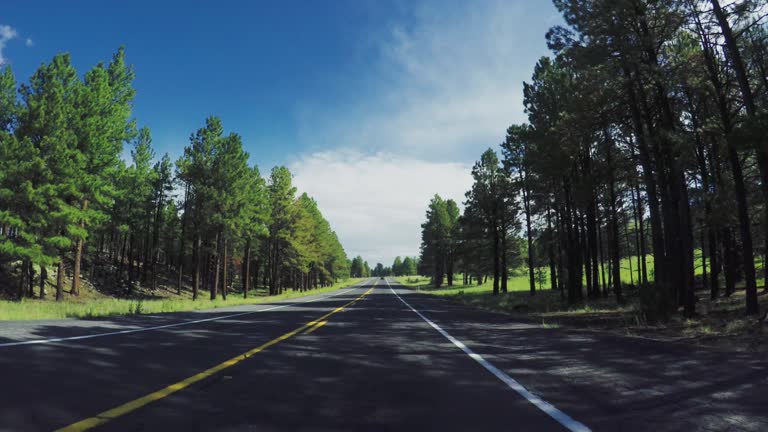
518,281
414,281
514,283
31,309
546,301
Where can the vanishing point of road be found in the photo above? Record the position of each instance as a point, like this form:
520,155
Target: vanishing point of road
373,357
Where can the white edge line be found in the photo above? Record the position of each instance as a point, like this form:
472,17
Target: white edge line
561,417
183,323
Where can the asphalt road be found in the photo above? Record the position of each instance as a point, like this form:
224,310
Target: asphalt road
371,358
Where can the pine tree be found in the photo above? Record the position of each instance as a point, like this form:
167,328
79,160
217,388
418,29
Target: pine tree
102,123
45,121
281,196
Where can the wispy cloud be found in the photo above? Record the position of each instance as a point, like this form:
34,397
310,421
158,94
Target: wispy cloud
449,82
29,42
6,34
444,87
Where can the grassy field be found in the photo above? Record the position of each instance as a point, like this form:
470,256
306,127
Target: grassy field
94,305
423,284
518,281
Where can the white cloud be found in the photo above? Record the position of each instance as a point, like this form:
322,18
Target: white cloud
442,88
29,42
446,85
6,33
376,203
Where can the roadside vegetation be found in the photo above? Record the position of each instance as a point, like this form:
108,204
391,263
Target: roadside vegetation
81,224
94,305
646,138
719,323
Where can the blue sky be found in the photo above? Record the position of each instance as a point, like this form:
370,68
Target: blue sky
375,105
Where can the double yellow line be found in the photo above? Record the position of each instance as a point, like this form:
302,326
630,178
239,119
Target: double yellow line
135,404
315,325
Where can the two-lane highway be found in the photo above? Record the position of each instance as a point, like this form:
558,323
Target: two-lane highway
373,357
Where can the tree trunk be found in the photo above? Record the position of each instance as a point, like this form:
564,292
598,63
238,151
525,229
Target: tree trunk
155,249
687,248
60,280
714,264
571,246
112,245
196,260
22,280
578,256
495,260
729,262
629,255
184,218
217,265
256,268
657,231
93,266
529,235
642,275
274,270
225,267
584,249
43,280
122,253
130,262
246,275
30,279
266,282
748,257
146,251
551,252
78,256
615,252
734,55
504,269
704,273
602,263
561,236
592,237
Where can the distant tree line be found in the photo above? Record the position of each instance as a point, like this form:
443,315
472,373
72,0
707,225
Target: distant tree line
70,203
480,242
646,136
407,266
359,268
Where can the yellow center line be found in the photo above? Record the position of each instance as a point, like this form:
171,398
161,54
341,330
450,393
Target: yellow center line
315,327
135,404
